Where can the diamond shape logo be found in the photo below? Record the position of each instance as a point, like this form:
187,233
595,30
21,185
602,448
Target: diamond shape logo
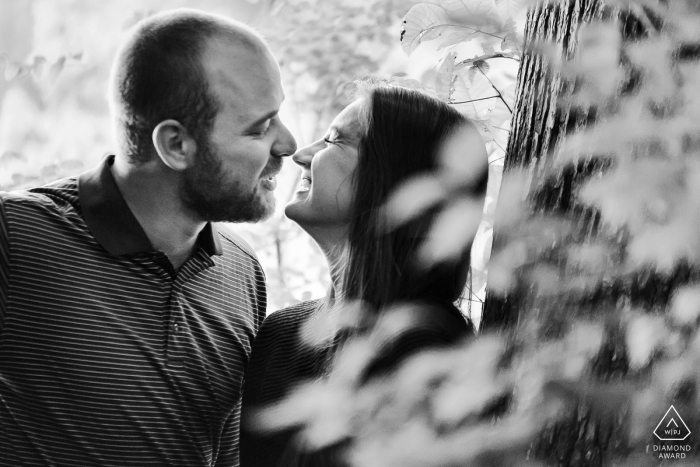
672,427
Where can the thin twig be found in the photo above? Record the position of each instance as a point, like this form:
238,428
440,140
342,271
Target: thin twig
495,89
474,100
499,146
494,55
465,27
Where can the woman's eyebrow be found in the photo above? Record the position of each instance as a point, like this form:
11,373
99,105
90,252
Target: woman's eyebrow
337,131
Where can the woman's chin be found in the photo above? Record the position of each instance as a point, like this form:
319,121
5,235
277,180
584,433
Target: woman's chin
294,209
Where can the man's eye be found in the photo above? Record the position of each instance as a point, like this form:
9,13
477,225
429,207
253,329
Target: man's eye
328,141
261,131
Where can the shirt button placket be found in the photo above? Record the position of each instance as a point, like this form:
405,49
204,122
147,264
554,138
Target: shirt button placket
175,329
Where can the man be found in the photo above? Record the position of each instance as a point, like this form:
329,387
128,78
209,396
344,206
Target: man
126,317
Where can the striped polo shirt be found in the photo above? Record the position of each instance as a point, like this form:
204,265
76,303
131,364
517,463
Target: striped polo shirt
108,355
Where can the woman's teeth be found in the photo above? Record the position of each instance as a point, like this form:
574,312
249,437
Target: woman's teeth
305,184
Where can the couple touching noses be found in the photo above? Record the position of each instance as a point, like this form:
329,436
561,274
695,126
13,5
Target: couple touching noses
385,137
128,316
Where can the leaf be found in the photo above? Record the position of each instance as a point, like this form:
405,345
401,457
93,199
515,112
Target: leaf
49,171
585,338
511,206
471,73
17,178
24,70
511,8
39,65
56,68
422,22
685,308
12,70
412,198
511,41
453,230
462,99
71,165
471,11
479,92
8,156
488,50
644,335
463,161
444,78
470,61
456,37
407,83
483,66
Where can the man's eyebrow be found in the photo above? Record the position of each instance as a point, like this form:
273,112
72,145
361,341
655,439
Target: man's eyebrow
263,119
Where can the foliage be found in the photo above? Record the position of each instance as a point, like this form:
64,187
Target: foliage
324,46
478,80
489,401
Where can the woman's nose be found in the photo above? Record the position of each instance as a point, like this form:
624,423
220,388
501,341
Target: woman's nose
304,155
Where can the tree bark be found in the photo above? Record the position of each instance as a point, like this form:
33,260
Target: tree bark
539,125
541,122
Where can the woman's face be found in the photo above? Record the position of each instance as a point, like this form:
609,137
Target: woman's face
324,196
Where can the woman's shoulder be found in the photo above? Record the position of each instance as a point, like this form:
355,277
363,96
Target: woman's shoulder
280,331
279,356
289,319
295,314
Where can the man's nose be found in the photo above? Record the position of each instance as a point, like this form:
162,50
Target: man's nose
285,144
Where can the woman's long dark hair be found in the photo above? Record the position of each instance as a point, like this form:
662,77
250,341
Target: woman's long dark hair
402,132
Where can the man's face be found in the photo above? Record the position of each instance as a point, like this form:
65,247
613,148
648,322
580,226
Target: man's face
233,177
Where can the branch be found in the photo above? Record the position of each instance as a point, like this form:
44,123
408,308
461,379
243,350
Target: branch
494,55
460,26
495,89
475,100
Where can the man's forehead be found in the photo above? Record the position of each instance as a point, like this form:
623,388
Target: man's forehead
241,76
233,65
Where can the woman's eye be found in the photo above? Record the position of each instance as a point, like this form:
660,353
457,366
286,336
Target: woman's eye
328,141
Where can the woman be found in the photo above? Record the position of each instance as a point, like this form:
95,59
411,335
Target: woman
386,136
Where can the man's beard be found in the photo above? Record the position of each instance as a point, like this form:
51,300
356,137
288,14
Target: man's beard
206,191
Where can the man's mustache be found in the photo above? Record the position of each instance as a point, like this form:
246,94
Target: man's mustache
273,167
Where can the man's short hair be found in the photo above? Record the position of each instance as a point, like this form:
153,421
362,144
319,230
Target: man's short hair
158,75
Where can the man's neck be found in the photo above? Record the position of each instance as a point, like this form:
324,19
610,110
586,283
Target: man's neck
152,198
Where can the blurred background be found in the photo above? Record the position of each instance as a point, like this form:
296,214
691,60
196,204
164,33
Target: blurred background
54,121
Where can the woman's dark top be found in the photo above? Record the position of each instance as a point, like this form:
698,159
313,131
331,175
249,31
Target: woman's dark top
279,361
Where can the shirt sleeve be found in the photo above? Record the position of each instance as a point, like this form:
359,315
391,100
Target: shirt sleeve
4,262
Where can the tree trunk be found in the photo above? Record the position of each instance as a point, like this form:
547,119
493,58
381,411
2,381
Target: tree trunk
539,126
541,122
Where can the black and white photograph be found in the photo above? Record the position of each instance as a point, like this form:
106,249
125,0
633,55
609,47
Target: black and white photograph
349,233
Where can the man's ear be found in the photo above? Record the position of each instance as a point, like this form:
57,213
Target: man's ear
174,144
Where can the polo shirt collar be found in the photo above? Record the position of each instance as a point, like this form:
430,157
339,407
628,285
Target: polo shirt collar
111,221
